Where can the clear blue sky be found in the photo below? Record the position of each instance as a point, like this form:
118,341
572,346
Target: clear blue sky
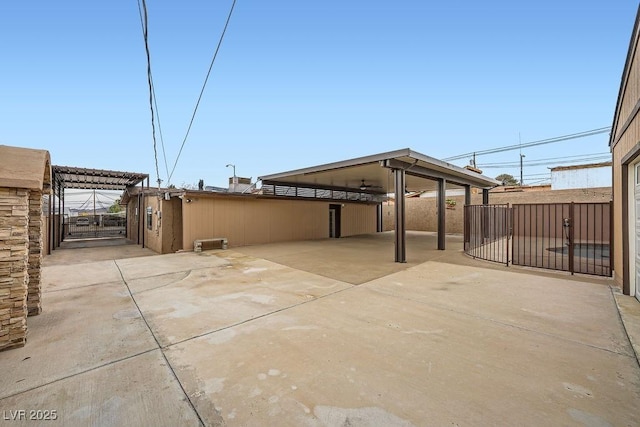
299,83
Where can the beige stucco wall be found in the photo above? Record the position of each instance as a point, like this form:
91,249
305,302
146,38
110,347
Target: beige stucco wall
422,214
623,141
247,220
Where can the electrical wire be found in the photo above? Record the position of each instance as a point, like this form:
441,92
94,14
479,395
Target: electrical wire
195,110
543,163
561,158
155,101
532,143
145,34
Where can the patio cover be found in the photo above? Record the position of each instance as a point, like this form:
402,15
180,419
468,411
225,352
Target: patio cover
96,179
376,170
391,172
64,177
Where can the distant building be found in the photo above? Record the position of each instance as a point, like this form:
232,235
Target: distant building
596,175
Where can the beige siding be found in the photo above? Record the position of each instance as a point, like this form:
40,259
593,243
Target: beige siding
357,219
153,237
133,220
626,141
630,138
250,221
171,225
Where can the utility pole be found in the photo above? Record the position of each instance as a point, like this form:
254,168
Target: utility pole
521,180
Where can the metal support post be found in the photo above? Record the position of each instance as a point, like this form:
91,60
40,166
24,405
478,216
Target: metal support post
442,225
400,230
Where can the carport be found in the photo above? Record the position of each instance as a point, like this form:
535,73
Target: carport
65,177
373,178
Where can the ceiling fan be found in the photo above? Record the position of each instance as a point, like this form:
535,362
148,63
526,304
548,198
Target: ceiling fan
364,186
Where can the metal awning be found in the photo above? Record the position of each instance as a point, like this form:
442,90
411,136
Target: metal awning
397,172
95,179
373,174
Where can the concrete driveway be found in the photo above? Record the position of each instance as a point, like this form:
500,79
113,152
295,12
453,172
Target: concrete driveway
232,338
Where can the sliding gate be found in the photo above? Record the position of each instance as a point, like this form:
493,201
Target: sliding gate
574,237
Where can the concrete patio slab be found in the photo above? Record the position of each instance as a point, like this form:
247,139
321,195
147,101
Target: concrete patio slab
336,258
66,276
255,342
80,329
239,289
629,308
569,309
89,250
136,268
140,391
358,356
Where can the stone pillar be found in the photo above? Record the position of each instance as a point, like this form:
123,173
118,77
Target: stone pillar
14,250
34,306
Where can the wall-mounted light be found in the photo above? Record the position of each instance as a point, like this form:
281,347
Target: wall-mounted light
188,200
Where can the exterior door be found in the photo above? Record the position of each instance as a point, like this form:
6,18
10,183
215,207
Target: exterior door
334,221
636,223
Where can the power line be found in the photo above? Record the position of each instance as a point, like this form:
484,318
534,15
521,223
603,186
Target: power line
532,143
515,164
561,158
155,100
545,162
145,34
195,110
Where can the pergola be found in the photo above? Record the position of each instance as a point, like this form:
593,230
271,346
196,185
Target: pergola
64,177
394,172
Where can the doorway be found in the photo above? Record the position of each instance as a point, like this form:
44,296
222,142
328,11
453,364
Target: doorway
334,221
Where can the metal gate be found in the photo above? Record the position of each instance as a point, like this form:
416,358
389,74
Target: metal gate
93,226
574,237
487,231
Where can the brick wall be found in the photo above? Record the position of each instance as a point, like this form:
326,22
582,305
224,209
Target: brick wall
14,250
422,214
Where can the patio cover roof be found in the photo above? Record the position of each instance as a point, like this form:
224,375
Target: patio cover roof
392,172
375,172
98,179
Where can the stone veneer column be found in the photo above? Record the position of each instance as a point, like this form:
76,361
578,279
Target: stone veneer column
14,249
34,305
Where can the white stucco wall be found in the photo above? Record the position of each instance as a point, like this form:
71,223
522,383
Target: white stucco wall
581,178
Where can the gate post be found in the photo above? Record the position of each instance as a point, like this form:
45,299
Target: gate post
572,218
